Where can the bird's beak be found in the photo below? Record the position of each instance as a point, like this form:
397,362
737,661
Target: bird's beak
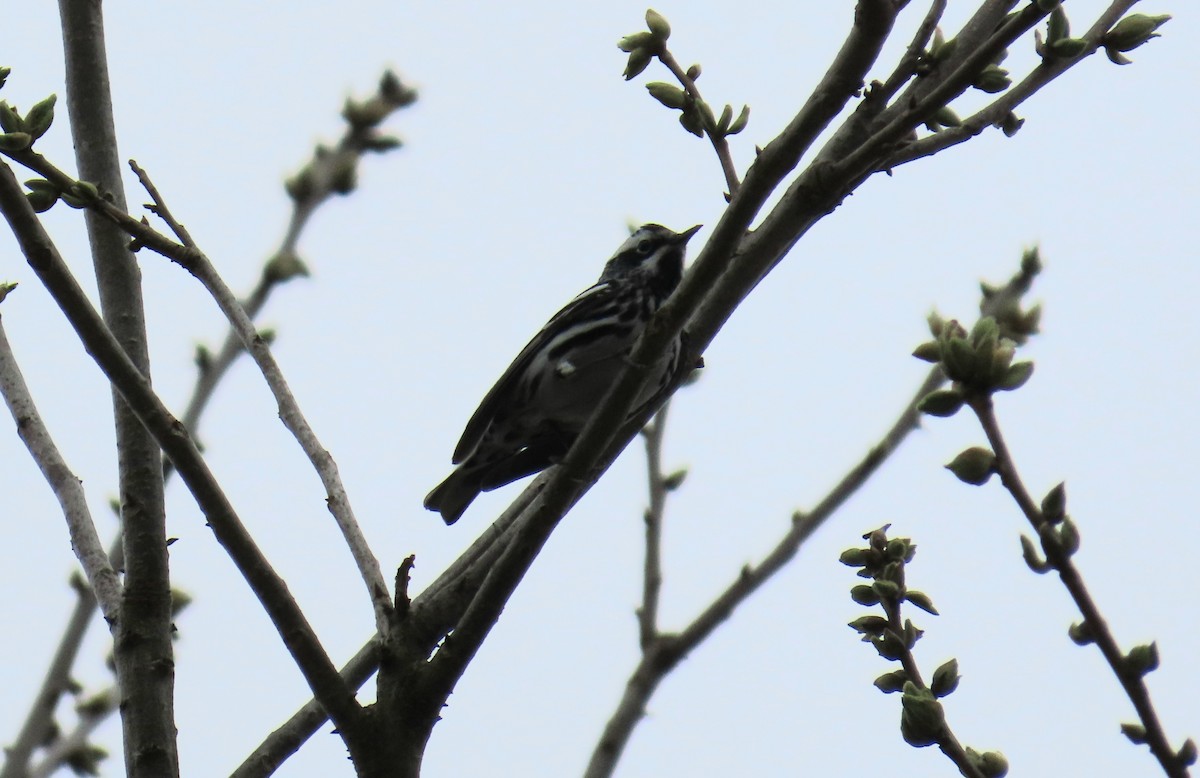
683,237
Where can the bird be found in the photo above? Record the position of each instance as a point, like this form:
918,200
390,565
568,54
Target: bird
534,412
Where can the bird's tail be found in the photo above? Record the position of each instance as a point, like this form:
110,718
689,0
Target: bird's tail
452,496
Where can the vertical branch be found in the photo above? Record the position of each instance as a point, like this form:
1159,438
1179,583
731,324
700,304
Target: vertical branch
652,575
143,654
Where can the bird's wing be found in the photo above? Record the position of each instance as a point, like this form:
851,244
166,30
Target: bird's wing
588,304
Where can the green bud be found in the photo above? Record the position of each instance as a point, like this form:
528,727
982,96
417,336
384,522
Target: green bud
1067,48
887,590
42,200
725,120
693,71
1142,659
855,557
202,358
658,24
668,94
946,117
179,601
984,336
1030,554
889,645
639,40
394,92
1068,536
892,682
4,73
945,679
958,359
86,190
40,117
992,764
706,115
941,403
300,186
1054,504
864,594
381,143
897,549
284,267
869,625
992,79
1187,753
942,51
10,120
5,288
1135,732
1010,124
1081,634
15,141
739,123
675,480
922,719
1015,376
639,60
973,466
929,351
691,121
1058,27
1133,31
911,633
935,322
922,601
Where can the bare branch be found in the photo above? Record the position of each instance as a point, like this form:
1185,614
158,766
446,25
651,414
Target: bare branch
135,388
289,410
669,649
144,655
40,719
64,483
652,574
1094,626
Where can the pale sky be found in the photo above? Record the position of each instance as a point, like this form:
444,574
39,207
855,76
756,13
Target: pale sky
524,160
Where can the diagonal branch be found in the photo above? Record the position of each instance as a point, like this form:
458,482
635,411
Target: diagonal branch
194,260
170,434
65,484
667,650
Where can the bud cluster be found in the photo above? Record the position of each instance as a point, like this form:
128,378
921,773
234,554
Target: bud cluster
922,717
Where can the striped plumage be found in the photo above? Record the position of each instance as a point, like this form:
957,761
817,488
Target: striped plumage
541,402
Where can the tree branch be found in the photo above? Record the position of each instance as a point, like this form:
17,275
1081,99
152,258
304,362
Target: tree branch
67,488
143,655
652,573
134,387
667,650
338,502
1094,626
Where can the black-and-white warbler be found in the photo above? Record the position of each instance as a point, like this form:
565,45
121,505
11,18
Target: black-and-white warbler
537,408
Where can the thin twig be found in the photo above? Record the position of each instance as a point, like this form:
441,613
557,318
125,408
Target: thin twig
907,67
994,112
60,752
719,142
65,484
1132,681
40,719
293,418
298,636
669,649
652,573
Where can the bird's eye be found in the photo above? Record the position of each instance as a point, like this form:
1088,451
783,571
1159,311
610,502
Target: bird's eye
644,247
